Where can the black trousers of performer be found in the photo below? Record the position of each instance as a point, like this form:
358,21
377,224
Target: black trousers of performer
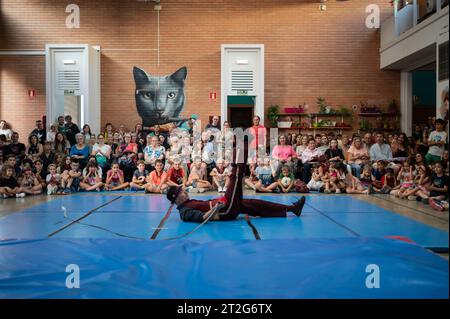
253,207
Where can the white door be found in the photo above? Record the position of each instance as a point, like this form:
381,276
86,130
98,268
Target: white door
243,74
73,84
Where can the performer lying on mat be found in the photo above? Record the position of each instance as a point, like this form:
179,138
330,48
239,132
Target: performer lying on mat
232,203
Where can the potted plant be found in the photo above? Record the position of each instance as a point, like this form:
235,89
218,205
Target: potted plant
392,108
285,124
273,114
345,111
365,125
322,105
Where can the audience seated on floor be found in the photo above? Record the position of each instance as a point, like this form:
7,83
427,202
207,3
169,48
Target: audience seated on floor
64,160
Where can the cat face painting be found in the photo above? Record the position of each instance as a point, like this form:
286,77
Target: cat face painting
159,100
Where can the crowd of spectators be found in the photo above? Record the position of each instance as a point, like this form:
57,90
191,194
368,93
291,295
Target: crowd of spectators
65,159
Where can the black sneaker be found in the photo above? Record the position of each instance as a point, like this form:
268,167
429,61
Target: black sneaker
299,206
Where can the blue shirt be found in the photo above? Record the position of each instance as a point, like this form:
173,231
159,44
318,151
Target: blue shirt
382,152
83,152
154,152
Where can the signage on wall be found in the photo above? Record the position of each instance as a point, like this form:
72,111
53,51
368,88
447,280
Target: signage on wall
69,92
31,94
242,92
212,96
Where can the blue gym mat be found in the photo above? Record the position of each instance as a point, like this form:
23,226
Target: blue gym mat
137,216
285,268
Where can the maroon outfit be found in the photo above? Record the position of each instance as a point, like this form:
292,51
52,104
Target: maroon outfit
238,205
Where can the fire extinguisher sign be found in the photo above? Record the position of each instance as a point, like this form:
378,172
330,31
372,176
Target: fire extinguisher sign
31,94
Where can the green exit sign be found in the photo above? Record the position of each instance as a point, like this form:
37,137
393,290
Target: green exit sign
242,92
69,92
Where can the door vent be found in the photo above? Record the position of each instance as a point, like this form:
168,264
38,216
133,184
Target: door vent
68,80
242,80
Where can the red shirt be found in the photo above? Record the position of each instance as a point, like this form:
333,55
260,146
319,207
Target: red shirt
390,180
176,175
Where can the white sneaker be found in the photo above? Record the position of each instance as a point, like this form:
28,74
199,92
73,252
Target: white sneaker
49,191
224,189
338,191
201,190
192,190
219,189
20,195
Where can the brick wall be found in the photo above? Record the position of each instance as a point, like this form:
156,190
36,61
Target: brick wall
17,76
308,53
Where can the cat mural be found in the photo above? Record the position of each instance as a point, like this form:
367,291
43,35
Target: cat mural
159,100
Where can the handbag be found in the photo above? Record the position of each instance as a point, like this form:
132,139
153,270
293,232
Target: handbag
300,186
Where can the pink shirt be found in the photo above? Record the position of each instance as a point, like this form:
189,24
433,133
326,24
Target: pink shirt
308,154
282,152
353,151
259,136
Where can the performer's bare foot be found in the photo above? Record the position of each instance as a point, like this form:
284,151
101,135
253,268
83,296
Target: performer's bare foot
299,206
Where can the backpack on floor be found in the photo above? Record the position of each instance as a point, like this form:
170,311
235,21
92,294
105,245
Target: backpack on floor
300,186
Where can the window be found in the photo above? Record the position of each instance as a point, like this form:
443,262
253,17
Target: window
443,61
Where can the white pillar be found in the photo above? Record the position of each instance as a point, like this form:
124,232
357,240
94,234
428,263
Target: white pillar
406,102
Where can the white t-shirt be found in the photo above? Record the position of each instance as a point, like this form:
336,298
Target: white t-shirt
104,148
54,178
50,137
7,133
436,136
208,154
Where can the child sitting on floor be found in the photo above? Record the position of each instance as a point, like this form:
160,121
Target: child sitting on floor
9,187
353,185
176,175
220,175
53,180
70,180
115,179
405,178
64,166
197,181
139,177
378,174
29,183
388,181
316,183
266,181
439,184
421,181
39,173
286,180
252,180
157,180
365,178
91,180
337,177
